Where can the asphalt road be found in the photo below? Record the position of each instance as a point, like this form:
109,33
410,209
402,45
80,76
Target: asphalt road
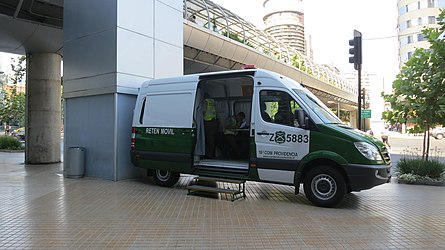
404,144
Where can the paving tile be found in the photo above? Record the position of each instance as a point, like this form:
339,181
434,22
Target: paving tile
40,209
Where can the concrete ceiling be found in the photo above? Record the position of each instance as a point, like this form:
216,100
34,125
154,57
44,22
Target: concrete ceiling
28,26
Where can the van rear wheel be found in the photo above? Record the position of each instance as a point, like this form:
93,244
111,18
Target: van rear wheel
324,186
165,178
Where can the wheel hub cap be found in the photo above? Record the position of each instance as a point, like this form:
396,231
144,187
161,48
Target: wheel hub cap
324,187
163,175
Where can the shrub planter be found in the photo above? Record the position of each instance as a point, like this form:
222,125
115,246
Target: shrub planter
421,172
428,183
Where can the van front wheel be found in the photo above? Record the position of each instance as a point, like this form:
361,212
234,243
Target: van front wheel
324,186
165,178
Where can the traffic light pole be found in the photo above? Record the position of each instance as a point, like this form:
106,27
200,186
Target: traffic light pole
355,53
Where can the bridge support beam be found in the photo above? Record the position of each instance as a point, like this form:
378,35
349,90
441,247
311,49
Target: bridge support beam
110,49
43,108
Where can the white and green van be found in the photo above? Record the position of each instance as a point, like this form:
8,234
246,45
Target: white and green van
292,136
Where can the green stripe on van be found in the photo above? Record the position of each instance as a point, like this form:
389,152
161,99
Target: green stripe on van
165,148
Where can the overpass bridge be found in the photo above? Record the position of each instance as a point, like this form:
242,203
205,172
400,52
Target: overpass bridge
107,53
217,38
206,50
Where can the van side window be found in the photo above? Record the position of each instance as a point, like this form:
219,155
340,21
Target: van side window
141,116
278,107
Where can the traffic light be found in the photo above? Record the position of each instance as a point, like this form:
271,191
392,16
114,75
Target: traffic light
356,50
363,95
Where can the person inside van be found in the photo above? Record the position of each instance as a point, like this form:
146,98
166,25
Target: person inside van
264,114
233,140
284,115
210,125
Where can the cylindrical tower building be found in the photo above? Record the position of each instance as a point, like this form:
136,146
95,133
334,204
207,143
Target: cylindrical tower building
414,16
284,20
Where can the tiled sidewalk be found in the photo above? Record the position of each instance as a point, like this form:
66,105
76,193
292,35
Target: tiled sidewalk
40,209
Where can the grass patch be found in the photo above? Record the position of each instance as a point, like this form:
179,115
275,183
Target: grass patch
10,143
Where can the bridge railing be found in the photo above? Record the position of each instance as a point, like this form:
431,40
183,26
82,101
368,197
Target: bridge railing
223,21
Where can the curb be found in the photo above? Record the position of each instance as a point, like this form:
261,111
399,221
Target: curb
12,151
427,183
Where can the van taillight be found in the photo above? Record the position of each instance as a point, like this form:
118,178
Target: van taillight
133,137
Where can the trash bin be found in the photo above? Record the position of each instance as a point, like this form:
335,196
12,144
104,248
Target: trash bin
74,167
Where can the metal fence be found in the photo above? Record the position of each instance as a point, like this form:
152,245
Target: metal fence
226,23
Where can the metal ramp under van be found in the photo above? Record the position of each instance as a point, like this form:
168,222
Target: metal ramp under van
197,186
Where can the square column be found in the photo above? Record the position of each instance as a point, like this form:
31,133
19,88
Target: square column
110,49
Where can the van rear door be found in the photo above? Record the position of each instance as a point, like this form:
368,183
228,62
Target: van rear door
164,136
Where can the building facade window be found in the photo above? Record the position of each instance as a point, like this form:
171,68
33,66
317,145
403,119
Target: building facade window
405,57
440,3
431,20
430,3
422,4
420,37
402,41
402,10
403,26
412,6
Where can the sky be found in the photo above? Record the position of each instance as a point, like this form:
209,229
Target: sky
5,62
331,24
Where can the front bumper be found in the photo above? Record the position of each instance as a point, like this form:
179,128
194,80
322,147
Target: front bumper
363,177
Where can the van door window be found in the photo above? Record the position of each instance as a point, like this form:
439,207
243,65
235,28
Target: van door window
141,116
278,107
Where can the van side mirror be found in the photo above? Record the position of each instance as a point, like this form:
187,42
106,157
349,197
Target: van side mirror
302,118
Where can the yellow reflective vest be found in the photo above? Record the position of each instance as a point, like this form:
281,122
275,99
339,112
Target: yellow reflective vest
210,110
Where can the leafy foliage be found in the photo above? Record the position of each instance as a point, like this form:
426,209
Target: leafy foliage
425,168
12,107
411,178
235,37
298,62
10,143
419,89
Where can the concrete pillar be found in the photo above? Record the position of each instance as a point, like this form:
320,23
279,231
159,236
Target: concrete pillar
110,48
353,118
43,108
338,109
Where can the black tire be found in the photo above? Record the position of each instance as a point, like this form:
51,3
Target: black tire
324,186
439,136
165,178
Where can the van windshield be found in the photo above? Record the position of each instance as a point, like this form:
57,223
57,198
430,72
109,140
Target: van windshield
323,112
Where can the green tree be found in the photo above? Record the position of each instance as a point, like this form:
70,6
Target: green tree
12,107
235,37
419,89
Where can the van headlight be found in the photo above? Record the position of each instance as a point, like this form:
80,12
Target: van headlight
369,151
